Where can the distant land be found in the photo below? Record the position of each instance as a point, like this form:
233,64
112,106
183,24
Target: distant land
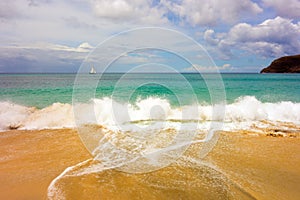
286,64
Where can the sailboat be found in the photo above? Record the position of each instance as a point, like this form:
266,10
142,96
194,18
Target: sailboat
92,71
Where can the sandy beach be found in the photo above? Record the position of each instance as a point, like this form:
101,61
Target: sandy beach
262,166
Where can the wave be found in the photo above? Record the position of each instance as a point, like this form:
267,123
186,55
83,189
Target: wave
109,112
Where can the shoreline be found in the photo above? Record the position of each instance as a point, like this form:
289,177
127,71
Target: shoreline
267,166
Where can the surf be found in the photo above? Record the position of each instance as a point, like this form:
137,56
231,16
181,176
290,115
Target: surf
152,110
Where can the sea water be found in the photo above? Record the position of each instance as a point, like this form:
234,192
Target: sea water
40,101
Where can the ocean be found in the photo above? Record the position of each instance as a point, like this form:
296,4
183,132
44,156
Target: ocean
42,90
150,136
248,97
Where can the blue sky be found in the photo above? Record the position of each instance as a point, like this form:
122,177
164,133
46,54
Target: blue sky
56,36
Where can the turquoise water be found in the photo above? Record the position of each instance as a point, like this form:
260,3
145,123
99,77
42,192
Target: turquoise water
42,90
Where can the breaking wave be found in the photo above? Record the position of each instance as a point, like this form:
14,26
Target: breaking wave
108,112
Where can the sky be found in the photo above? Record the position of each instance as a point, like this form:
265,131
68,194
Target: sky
49,36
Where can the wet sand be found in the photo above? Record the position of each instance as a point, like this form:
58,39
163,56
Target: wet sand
263,165
266,167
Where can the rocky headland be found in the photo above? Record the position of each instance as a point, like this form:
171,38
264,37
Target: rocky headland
286,64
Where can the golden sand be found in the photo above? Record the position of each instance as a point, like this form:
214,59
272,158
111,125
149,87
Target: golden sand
244,164
31,159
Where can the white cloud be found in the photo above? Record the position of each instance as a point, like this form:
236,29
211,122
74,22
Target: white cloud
85,47
43,57
113,8
209,37
136,11
59,21
38,52
200,68
272,38
82,48
210,12
285,8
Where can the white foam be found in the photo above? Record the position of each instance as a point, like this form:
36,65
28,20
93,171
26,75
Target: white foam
57,115
13,115
108,112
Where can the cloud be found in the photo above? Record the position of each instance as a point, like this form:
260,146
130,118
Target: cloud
285,8
272,38
49,21
193,12
42,57
29,28
82,48
85,46
136,11
208,12
37,2
209,37
195,68
115,9
8,10
74,22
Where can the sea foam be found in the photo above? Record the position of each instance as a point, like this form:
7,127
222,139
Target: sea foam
109,112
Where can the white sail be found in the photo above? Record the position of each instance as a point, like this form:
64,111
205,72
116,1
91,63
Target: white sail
92,71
